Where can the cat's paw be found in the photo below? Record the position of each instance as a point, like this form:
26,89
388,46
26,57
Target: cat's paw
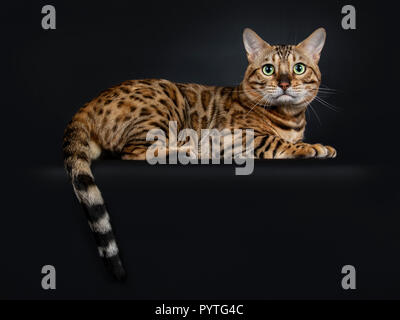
324,152
306,151
331,152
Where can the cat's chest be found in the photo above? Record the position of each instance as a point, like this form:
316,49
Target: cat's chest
290,135
263,125
287,134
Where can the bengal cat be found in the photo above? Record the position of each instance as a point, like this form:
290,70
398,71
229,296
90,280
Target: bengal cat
279,84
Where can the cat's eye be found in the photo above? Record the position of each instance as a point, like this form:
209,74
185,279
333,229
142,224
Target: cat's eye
268,69
299,68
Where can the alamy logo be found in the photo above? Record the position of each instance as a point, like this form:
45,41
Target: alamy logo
349,280
349,20
49,20
49,280
187,147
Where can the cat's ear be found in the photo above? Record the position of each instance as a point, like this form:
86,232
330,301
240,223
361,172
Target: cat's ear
253,44
313,44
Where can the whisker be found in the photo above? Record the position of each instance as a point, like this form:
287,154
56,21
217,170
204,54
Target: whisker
326,104
326,87
255,104
316,114
323,91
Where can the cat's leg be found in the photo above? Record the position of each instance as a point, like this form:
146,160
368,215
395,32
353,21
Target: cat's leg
147,150
265,147
135,151
273,147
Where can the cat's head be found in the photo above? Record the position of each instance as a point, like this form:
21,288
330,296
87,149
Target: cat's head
282,75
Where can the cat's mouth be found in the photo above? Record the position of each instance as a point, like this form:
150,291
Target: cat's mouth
285,96
287,99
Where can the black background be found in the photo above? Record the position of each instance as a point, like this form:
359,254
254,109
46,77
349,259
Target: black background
199,231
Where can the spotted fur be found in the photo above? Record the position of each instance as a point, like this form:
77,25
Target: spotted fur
117,121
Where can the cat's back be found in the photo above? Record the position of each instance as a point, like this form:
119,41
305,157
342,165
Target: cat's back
147,103
141,93
131,99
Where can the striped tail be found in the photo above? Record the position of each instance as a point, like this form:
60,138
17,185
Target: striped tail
78,154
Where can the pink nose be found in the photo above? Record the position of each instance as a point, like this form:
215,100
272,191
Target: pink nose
284,85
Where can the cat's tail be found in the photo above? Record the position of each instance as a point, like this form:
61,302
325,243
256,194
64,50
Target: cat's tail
79,152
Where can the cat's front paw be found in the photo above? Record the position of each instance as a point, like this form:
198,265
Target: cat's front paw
323,152
317,150
331,152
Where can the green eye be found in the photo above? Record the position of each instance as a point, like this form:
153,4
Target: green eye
268,69
299,68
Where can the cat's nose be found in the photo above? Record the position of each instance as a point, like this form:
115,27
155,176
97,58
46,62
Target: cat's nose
284,85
